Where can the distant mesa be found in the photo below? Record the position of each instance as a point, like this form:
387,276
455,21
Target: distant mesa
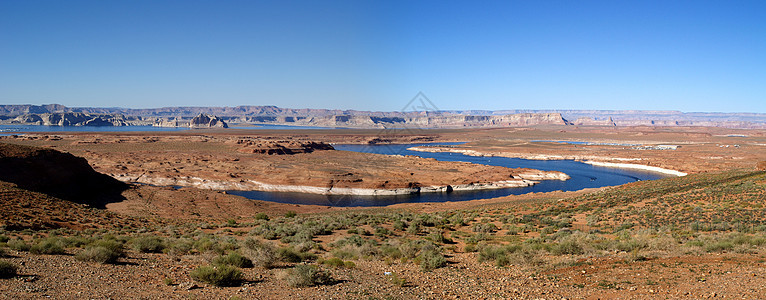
75,119
207,121
586,121
199,121
221,117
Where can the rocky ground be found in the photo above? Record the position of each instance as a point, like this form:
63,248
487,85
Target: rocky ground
241,163
693,237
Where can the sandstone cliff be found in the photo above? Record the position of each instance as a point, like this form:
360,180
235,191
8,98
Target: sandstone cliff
207,121
76,119
58,174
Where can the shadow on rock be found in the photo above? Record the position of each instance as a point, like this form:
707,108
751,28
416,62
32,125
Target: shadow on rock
58,174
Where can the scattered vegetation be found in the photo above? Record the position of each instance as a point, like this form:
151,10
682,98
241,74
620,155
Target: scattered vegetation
306,275
7,269
234,259
48,246
218,275
148,244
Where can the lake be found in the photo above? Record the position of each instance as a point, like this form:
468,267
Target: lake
582,176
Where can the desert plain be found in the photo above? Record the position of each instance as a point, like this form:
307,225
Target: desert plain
154,220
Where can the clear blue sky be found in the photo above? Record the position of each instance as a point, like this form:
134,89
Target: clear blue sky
376,55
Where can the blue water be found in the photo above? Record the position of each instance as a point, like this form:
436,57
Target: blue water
582,176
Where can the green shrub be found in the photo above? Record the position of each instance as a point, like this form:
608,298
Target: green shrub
307,275
98,254
567,247
431,259
484,228
178,246
7,269
262,254
399,225
220,275
18,245
261,216
48,246
290,214
3,238
338,263
719,246
288,254
396,280
148,244
234,259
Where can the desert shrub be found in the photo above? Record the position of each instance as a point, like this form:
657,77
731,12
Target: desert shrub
290,214
48,246
148,244
338,263
399,225
484,227
261,216
180,246
381,231
396,280
476,238
220,275
306,275
7,269
234,259
260,253
431,259
438,237
570,246
3,238
289,254
18,245
98,254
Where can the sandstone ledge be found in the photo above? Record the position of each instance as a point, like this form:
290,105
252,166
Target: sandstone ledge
592,160
521,180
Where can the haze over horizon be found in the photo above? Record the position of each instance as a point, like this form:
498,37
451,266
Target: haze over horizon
690,56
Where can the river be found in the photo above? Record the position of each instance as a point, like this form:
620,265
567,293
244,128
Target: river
582,176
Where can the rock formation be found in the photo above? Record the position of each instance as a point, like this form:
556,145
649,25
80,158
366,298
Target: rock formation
58,174
76,119
207,121
281,147
586,121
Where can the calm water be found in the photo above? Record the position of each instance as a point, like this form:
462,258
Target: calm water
583,176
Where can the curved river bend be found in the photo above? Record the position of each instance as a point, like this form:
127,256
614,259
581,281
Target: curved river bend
582,176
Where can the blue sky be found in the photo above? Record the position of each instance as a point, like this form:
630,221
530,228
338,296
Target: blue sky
376,55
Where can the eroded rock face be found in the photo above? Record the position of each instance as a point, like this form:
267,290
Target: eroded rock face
207,121
58,174
76,119
281,147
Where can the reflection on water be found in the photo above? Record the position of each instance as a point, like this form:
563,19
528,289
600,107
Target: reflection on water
582,176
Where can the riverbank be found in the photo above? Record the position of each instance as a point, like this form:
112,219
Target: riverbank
635,167
584,159
523,180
